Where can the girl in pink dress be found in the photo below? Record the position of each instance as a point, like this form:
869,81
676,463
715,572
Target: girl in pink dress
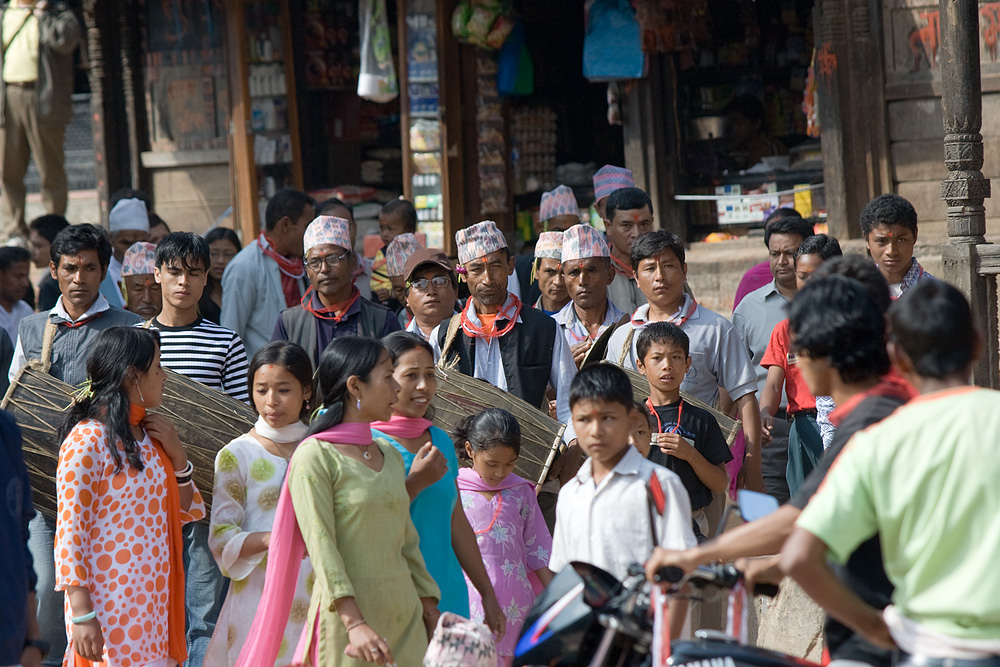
504,514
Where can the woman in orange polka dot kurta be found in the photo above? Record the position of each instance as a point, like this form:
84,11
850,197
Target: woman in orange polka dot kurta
124,489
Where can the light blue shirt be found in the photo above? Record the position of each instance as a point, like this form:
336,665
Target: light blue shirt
718,356
573,329
431,512
252,298
754,319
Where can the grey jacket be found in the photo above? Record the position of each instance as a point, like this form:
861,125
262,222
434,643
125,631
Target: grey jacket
58,36
70,347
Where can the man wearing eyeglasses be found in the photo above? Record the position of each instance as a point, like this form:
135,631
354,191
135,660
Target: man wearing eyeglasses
332,307
430,291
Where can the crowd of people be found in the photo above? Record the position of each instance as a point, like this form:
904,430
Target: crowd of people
344,524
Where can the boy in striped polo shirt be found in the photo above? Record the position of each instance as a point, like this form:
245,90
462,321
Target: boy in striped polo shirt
214,356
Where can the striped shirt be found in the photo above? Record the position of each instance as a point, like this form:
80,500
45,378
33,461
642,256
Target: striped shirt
206,353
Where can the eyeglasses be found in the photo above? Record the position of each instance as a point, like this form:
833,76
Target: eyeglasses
330,261
421,284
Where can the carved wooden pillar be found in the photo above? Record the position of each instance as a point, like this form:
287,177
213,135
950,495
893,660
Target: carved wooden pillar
965,189
104,75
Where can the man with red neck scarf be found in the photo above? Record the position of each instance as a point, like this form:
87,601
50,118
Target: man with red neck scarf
495,338
267,276
332,307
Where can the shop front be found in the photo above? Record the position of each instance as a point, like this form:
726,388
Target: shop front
738,107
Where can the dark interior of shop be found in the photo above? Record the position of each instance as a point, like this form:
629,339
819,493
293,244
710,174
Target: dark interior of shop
753,50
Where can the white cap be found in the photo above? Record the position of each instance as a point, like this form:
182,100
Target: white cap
129,215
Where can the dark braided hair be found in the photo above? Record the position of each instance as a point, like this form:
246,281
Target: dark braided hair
118,355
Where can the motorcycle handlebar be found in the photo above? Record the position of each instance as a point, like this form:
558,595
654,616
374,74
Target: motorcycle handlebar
724,576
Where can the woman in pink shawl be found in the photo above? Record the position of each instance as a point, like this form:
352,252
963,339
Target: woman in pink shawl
345,503
504,514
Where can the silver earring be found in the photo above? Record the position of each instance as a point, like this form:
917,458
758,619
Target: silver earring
359,405
139,389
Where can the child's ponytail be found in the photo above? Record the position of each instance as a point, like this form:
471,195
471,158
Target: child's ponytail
490,428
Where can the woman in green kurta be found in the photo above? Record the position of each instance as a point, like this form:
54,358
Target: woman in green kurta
373,597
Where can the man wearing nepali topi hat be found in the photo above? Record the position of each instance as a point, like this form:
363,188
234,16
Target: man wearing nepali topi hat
140,291
396,254
495,338
587,272
607,179
558,212
332,307
547,269
129,222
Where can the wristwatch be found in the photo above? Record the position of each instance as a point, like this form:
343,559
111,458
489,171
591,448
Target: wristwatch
42,646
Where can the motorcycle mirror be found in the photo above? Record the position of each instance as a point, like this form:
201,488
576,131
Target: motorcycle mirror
598,585
754,505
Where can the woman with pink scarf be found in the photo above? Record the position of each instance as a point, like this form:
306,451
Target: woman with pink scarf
446,539
344,502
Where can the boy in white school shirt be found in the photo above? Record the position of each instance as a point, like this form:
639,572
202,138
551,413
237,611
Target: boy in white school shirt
603,513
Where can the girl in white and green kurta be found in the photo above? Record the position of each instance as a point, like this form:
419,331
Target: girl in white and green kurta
345,504
249,472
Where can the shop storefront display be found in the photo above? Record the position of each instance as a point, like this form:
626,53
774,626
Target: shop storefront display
491,145
265,109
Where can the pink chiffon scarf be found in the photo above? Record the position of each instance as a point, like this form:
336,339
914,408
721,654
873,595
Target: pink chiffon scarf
284,557
469,480
399,426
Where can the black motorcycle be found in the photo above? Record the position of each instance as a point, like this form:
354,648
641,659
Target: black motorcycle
586,617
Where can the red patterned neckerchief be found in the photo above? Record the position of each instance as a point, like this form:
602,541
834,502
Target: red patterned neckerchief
474,330
621,267
292,270
330,312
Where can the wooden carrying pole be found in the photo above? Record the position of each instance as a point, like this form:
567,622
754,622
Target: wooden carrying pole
965,189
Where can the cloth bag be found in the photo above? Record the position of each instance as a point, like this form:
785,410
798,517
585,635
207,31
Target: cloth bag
459,642
377,79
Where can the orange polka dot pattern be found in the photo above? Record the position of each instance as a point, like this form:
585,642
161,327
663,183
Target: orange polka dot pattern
112,538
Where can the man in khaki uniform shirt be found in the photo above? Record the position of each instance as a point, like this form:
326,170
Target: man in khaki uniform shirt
36,61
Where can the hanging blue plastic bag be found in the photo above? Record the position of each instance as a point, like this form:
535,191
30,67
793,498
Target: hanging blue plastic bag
516,72
612,49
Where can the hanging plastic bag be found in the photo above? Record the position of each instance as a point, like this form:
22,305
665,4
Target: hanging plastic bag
377,79
612,49
516,73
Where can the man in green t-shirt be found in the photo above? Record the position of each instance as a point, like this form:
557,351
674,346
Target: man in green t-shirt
925,480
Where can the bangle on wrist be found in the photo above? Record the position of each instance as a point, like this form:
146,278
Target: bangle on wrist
185,482
84,618
355,624
187,471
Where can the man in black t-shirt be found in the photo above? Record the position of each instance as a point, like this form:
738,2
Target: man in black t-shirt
687,439
839,329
